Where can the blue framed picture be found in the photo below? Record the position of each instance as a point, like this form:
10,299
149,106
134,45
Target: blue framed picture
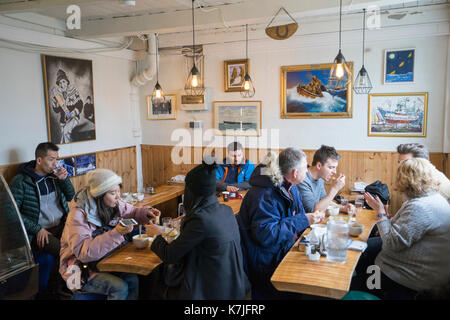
68,164
399,66
85,163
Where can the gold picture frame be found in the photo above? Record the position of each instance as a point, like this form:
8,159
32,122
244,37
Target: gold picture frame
299,103
166,111
234,72
237,118
397,114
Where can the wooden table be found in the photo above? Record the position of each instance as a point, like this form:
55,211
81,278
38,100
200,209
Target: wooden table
130,259
162,194
296,273
235,204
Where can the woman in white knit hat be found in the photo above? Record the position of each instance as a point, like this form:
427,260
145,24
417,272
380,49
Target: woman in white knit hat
92,231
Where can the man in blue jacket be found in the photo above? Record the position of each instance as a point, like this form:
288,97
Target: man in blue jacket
234,173
272,217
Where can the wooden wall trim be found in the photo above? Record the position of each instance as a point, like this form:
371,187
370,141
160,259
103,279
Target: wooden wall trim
366,166
120,160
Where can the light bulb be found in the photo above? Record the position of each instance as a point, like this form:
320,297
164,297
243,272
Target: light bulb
339,70
194,82
362,81
246,85
158,94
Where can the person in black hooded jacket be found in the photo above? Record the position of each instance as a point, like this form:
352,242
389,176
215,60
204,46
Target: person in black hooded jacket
208,247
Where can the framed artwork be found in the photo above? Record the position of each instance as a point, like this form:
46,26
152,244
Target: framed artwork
237,118
166,110
399,66
69,99
234,72
85,163
398,114
69,164
305,93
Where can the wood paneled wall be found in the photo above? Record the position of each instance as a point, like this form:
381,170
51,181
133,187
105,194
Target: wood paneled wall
367,166
122,161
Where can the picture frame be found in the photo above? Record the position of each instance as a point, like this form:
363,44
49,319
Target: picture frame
398,66
164,111
69,164
237,118
69,99
304,93
397,114
234,72
85,163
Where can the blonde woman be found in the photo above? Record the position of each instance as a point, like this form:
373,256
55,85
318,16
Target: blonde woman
415,252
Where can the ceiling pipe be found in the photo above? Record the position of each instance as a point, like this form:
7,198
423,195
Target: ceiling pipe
148,74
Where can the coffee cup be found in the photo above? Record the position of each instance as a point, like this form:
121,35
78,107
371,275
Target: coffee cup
355,229
225,196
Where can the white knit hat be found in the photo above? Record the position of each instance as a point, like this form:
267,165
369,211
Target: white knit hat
101,181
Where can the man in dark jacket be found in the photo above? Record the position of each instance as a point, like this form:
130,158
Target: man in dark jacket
41,191
272,217
235,172
208,247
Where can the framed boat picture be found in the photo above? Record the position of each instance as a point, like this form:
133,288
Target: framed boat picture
237,118
305,93
398,114
399,66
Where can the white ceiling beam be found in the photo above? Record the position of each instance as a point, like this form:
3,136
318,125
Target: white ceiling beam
251,12
27,6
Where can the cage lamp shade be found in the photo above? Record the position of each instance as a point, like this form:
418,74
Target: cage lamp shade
247,88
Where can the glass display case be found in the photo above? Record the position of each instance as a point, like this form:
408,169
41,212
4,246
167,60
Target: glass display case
18,272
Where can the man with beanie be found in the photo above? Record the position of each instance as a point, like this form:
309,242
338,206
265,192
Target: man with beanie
42,192
208,249
272,217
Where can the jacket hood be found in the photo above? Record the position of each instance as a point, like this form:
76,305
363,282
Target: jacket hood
28,169
268,173
86,201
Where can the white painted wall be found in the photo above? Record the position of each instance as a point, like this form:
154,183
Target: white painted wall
266,58
22,106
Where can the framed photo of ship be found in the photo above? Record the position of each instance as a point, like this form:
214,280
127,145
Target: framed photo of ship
398,114
305,93
234,71
237,118
399,66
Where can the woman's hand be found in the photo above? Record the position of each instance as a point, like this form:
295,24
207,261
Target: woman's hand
123,230
152,230
315,217
153,213
374,203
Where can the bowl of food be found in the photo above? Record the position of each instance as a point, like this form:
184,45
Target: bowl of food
355,229
142,241
138,196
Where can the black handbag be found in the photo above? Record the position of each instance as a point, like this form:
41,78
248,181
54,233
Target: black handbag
379,189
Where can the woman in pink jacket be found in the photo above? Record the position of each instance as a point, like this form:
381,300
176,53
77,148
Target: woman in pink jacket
92,231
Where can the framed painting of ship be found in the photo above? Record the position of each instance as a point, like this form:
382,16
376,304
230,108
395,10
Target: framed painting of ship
305,93
237,118
399,66
398,114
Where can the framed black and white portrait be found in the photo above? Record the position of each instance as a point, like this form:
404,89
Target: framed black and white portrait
69,99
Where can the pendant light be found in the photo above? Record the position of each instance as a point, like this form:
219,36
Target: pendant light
362,84
158,94
247,88
340,74
194,84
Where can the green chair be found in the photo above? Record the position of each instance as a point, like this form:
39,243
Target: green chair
359,295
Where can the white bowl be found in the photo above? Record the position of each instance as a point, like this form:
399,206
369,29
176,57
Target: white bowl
142,242
319,229
332,210
138,196
355,229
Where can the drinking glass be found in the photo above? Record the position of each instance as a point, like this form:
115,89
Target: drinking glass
351,214
337,240
359,204
344,201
